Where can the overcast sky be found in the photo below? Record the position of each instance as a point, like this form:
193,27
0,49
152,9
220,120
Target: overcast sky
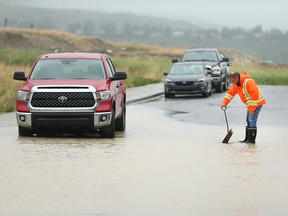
232,13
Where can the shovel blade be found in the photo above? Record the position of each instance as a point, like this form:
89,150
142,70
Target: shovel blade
228,136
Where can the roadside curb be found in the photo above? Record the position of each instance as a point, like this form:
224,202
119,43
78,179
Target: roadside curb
144,98
136,94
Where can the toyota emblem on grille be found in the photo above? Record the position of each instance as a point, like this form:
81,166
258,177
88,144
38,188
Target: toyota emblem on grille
62,99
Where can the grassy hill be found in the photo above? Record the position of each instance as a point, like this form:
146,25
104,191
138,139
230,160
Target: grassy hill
52,40
144,64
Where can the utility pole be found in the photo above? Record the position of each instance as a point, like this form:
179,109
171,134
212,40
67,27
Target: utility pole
5,22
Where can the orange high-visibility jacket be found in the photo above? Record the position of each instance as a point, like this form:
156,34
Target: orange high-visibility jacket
248,91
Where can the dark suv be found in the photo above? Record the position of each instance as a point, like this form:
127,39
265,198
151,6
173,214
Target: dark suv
218,62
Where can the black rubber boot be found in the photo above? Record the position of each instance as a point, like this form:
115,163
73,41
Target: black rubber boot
252,132
246,136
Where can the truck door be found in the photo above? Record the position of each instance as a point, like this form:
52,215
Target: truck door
116,88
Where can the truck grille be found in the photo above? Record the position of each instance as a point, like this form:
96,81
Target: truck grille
63,99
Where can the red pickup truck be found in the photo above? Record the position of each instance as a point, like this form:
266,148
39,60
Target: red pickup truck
72,92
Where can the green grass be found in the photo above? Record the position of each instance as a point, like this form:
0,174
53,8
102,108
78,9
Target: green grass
17,57
8,88
265,75
140,71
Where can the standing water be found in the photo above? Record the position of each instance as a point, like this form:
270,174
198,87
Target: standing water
159,166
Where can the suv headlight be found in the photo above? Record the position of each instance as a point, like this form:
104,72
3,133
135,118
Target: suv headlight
216,70
103,96
23,96
168,81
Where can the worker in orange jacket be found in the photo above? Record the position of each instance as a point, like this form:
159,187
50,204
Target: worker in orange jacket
250,95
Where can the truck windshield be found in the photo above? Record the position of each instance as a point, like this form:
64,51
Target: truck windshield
200,56
68,69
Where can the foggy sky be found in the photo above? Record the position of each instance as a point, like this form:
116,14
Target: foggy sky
217,13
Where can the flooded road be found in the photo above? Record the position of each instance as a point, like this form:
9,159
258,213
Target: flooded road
159,166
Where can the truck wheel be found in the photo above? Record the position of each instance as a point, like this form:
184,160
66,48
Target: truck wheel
24,131
109,131
120,123
219,87
226,84
210,93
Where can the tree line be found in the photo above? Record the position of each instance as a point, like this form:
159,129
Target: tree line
89,27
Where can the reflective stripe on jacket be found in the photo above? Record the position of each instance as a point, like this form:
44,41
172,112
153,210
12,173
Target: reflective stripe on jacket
248,92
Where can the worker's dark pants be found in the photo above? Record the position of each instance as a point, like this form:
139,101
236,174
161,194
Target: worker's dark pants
252,120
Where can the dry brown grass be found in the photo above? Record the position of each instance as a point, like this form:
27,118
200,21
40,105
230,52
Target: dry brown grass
8,87
149,50
52,40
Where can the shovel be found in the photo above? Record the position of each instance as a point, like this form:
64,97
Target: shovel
229,132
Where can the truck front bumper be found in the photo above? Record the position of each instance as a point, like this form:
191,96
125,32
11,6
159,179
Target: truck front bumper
215,80
87,121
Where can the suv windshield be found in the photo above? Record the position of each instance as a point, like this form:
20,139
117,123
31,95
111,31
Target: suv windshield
200,56
68,69
180,69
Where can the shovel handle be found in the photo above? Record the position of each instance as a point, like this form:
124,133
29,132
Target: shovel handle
224,109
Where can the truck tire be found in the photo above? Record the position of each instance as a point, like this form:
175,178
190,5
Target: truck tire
24,131
226,84
109,131
120,123
219,87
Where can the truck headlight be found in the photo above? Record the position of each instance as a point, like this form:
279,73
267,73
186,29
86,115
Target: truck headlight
23,96
216,70
103,96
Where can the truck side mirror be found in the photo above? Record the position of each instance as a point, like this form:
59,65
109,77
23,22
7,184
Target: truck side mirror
120,75
225,60
174,60
19,75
